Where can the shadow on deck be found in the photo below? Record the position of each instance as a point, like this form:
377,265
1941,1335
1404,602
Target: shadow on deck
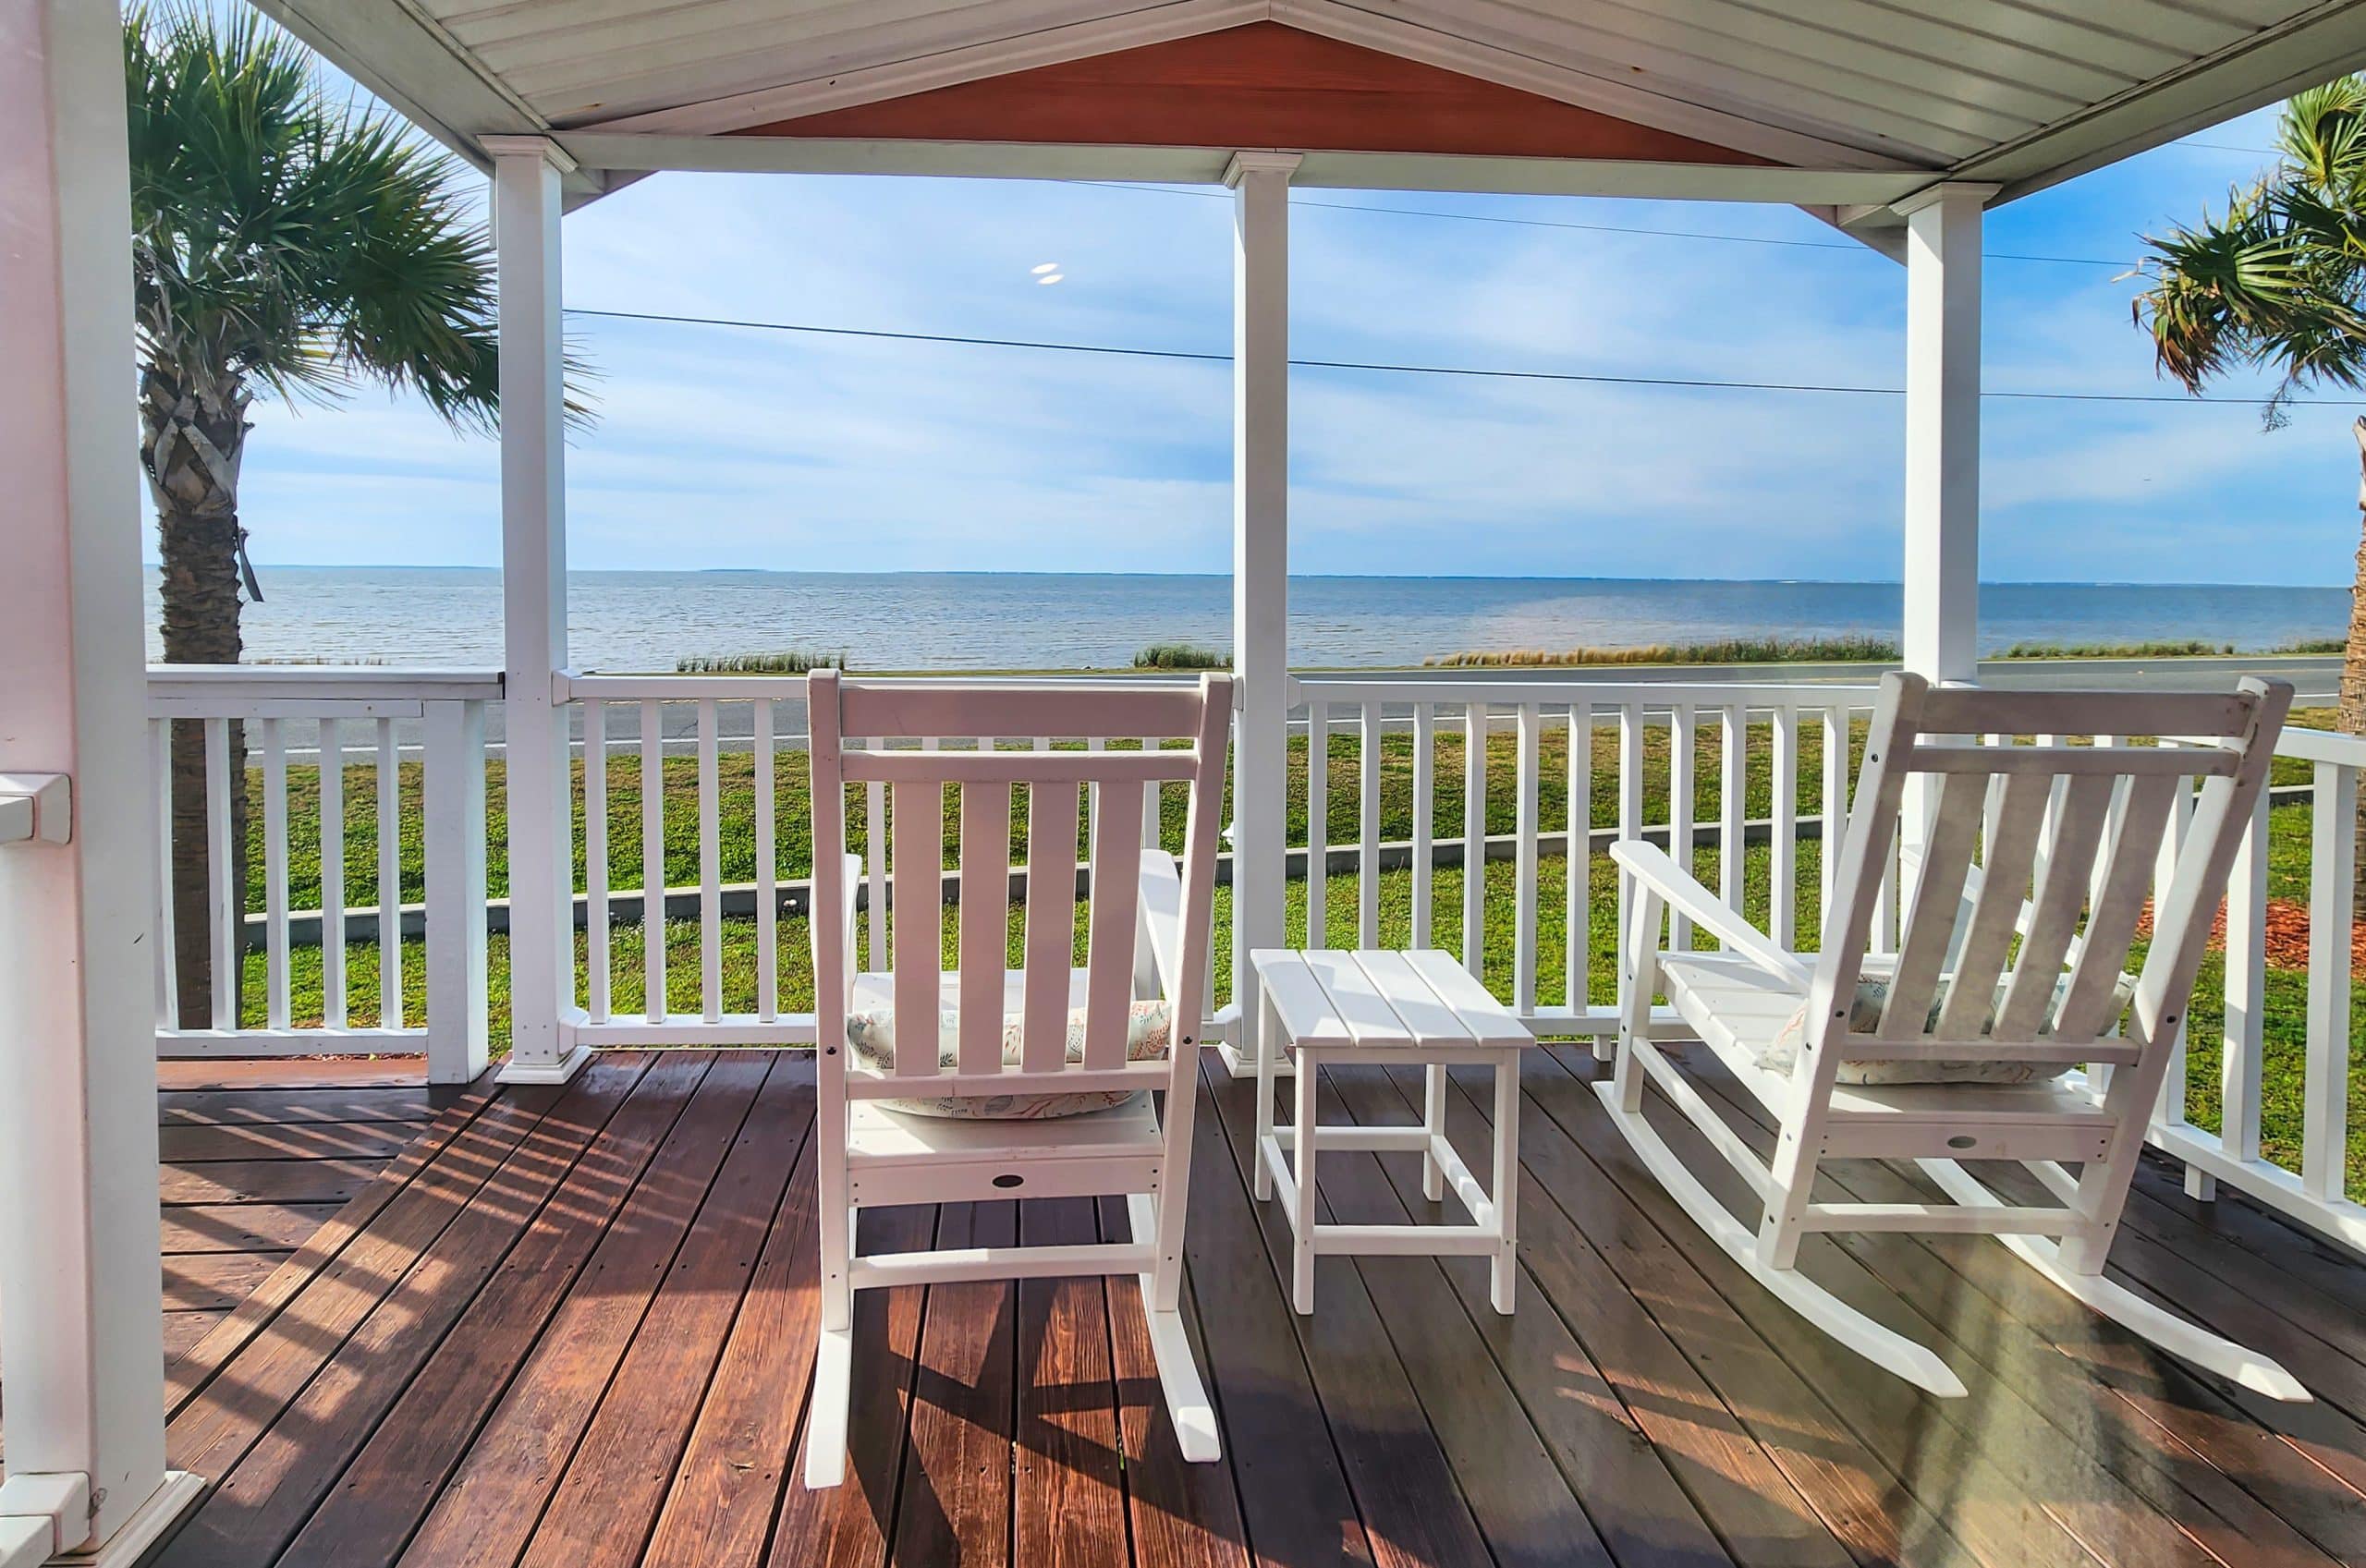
574,1326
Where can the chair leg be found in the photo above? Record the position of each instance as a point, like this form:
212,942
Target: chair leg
1503,1270
1882,1346
1434,1124
1188,1408
2180,1337
1302,1174
825,1422
1268,1046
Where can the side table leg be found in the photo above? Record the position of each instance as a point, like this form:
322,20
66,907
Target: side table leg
1302,1169
1504,1270
1267,1045
1434,1124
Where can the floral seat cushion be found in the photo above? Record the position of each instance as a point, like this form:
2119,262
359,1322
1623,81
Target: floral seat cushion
1865,1017
871,1035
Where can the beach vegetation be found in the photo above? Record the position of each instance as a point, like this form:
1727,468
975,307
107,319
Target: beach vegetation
1180,656
1730,651
793,663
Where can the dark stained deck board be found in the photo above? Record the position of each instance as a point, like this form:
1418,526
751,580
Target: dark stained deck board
604,1356
2015,1473
606,1505
1181,1515
953,1497
1609,1474
531,1247
1521,1506
1067,1479
279,1107
2158,1425
286,1140
243,1227
293,1403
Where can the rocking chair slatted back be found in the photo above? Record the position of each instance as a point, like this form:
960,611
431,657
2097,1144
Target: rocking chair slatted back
2034,862
901,729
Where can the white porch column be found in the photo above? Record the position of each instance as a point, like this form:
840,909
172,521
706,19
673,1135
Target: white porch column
534,585
1261,563
80,1293
1943,430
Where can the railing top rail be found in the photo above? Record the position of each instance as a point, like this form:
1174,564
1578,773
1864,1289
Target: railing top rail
2323,746
726,688
184,684
1629,693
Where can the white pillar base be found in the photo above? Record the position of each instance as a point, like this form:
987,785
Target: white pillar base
559,1072
155,1519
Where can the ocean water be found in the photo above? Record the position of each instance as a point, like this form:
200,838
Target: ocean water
641,621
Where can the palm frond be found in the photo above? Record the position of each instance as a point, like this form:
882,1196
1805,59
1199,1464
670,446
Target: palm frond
2277,280
301,243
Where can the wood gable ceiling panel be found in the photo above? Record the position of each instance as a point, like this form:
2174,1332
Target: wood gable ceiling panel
1260,85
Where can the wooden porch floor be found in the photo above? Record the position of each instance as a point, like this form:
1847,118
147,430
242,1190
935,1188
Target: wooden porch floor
574,1326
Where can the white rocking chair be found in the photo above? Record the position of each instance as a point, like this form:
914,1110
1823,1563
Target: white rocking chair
1957,1045
967,1052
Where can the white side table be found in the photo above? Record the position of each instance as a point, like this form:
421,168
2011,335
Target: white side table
1395,1008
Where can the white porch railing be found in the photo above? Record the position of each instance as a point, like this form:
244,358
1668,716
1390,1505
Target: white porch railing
340,718
1758,730
1699,767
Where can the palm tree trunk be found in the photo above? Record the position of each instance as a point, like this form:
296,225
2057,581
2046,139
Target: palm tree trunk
191,444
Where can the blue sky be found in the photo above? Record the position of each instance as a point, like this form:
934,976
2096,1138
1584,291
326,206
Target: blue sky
726,447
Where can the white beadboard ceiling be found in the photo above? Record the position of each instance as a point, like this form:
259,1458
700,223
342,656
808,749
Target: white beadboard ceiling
2018,93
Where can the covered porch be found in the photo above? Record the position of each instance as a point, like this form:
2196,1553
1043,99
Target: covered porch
462,1367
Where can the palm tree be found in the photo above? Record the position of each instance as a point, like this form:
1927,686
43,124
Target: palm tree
2278,283
284,245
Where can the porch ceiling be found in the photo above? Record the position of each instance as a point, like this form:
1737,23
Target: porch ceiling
2016,92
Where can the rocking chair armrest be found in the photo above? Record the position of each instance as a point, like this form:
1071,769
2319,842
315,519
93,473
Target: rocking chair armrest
1655,868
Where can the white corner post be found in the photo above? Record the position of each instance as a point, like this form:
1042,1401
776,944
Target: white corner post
534,585
80,1283
1940,631
1261,565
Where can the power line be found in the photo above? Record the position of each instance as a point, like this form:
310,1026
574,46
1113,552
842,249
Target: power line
1592,229
1480,373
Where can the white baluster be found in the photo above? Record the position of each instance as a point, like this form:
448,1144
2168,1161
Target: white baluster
274,875
166,956
1733,790
1474,837
710,869
1783,848
1368,831
390,878
1318,826
598,951
1424,811
1577,932
331,792
652,860
767,868
2246,991
1527,768
1679,809
2333,871
225,896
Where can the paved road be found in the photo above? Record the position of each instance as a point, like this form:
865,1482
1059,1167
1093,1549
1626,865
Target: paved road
2316,681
